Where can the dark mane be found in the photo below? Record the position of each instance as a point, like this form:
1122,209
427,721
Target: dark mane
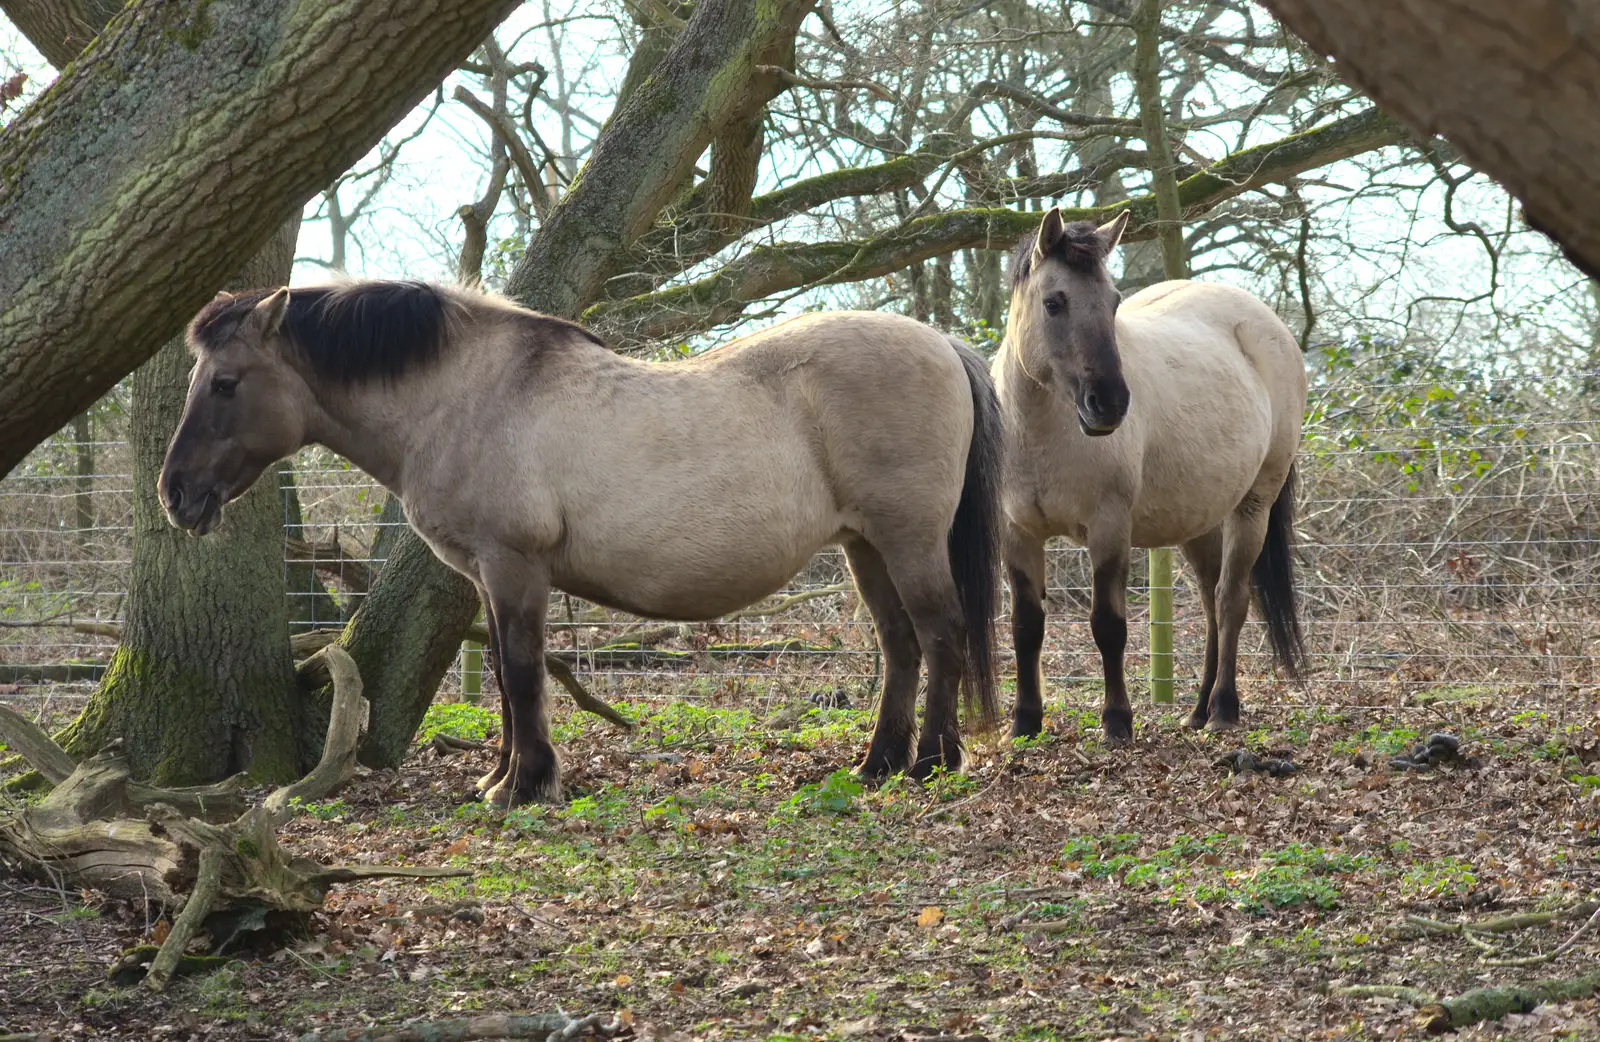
1079,248
361,331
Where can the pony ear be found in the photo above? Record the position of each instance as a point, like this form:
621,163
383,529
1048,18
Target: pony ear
1110,233
1050,232
267,316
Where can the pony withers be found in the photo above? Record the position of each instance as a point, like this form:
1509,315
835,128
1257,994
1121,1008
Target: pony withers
1168,419
531,457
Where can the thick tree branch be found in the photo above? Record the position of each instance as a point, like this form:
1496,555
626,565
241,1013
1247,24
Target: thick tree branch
769,269
1512,85
708,82
167,154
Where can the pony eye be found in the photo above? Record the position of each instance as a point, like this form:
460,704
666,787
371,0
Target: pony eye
223,387
1052,306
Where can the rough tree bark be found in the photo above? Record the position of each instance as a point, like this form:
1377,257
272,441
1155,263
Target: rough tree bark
168,154
707,83
202,685
1512,85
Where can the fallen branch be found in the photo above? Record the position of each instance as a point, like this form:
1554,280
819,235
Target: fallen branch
585,701
466,1029
206,885
449,745
1414,996
1556,952
1493,1003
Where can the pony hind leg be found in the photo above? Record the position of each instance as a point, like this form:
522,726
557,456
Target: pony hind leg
1025,569
890,752
1108,621
519,593
928,591
1205,557
1242,535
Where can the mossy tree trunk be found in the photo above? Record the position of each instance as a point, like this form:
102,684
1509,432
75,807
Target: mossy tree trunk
710,83
202,685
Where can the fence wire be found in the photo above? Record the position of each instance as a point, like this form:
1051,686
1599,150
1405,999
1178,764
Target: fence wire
1446,552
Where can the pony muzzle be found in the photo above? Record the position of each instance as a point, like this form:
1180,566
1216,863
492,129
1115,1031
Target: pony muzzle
189,509
1101,410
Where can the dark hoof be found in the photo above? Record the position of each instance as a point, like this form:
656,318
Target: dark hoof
1027,727
531,779
1118,724
1217,723
949,756
877,771
1196,720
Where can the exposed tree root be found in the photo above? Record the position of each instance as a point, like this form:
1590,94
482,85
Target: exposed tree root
99,829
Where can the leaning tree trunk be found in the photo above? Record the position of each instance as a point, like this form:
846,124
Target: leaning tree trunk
716,77
202,685
167,157
1513,85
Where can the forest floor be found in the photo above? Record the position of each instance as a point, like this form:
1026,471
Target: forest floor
716,876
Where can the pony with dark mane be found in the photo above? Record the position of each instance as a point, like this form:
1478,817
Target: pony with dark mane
1168,419
531,457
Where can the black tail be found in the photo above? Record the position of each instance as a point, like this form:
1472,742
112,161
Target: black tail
975,544
1272,576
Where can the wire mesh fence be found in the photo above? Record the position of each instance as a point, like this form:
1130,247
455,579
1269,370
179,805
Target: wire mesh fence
1446,552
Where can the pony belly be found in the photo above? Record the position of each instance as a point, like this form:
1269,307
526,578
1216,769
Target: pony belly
678,596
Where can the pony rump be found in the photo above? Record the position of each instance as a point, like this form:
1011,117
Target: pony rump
349,333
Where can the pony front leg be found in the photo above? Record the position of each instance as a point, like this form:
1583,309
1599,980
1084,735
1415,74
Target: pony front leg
1108,621
1026,570
519,592
503,763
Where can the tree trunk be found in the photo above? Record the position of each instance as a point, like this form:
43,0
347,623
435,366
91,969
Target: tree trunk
408,629
190,131
403,639
202,685
1512,85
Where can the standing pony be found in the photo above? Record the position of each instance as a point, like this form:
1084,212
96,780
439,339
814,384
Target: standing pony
530,456
1171,418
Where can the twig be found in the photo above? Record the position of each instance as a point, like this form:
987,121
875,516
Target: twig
794,80
194,913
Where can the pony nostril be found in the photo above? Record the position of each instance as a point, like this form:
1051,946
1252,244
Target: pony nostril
1091,401
174,494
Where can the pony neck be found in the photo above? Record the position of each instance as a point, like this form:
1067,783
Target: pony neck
379,426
